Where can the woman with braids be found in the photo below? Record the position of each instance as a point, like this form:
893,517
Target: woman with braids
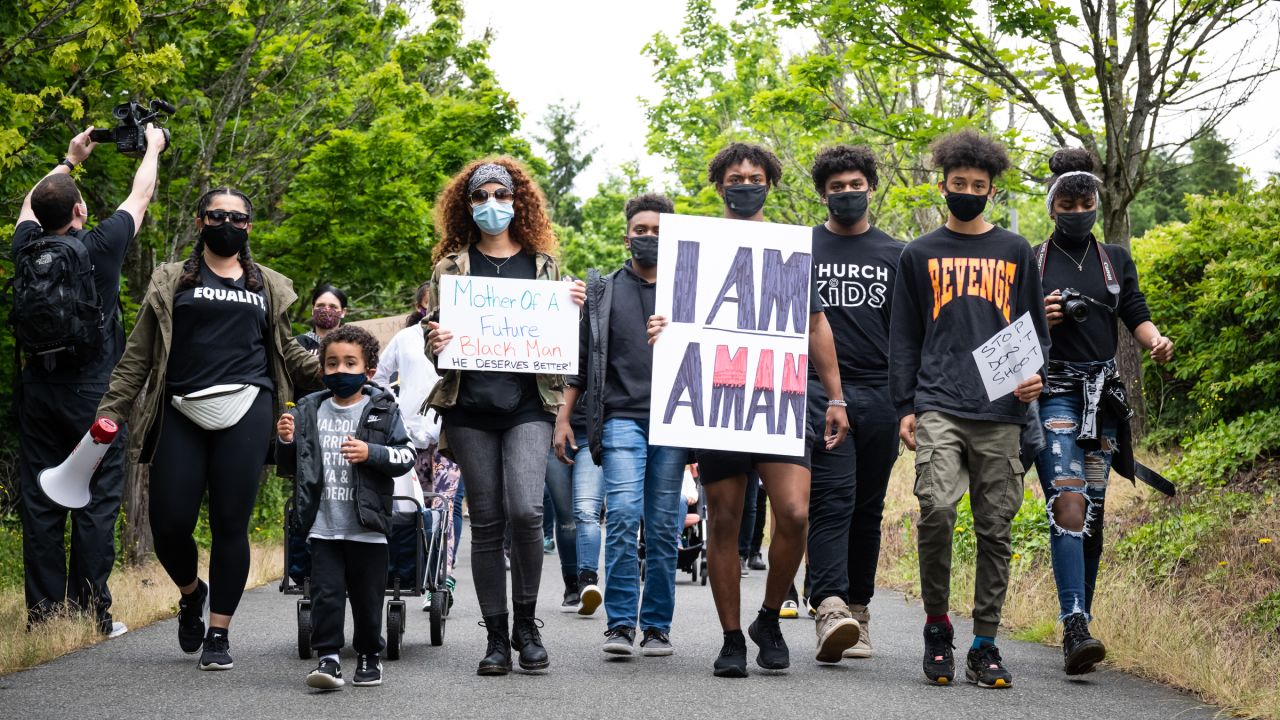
497,425
213,350
1089,286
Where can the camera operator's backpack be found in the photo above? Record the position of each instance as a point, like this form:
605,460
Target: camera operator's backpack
55,301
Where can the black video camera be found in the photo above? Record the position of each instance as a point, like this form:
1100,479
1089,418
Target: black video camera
1075,305
130,136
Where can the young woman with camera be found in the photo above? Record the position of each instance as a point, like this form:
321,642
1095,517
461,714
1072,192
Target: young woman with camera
1083,409
213,350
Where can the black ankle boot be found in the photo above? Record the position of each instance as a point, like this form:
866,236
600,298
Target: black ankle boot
526,640
497,659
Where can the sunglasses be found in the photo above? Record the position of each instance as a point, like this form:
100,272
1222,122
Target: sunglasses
217,217
502,195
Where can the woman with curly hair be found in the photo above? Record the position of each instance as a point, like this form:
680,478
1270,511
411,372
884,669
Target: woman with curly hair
214,351
498,425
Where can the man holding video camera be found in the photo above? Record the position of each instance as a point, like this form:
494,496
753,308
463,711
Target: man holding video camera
71,336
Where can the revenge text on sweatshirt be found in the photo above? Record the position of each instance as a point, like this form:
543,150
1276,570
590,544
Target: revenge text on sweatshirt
953,292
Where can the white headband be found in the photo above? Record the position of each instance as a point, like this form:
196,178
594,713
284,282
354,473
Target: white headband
1053,189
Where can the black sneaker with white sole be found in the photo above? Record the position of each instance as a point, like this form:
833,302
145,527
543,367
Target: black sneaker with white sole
191,612
326,676
985,669
368,671
939,660
217,651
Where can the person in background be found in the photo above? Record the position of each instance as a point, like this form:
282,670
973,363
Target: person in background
404,360
328,308
58,392
491,222
1085,416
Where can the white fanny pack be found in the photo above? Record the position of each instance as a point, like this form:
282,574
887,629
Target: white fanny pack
218,407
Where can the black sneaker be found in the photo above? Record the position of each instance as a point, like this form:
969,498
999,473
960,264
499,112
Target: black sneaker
767,634
732,662
217,651
326,676
368,671
939,661
619,641
984,668
191,610
1081,652
756,562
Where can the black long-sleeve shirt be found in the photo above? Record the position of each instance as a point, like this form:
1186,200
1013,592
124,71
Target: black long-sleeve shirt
953,292
1096,338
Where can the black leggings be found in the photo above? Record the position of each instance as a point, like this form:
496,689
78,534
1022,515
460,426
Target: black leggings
229,462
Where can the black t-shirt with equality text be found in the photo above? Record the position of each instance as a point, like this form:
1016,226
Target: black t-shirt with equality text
854,277
495,400
219,336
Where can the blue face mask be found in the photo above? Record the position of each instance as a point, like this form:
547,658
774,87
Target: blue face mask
492,217
344,385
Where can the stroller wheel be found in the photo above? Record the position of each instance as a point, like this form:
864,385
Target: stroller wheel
439,615
702,565
395,628
304,629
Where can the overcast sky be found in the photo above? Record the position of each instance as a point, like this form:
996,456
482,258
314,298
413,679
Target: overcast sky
590,52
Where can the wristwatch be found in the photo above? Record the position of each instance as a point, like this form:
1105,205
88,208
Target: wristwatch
66,161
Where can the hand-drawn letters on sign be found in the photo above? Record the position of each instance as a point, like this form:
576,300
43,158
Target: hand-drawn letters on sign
730,370
509,325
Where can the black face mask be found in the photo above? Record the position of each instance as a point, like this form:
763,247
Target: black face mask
644,250
745,200
847,208
964,206
1074,227
225,240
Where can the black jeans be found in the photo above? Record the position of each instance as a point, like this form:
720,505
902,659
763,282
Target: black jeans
52,419
341,569
751,532
846,500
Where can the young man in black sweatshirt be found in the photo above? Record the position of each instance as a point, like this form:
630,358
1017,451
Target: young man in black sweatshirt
855,265
957,287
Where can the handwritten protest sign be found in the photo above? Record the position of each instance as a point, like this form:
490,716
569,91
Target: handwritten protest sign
509,325
1009,357
730,370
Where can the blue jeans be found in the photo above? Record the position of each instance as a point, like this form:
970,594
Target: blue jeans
588,498
560,491
642,481
457,518
1064,467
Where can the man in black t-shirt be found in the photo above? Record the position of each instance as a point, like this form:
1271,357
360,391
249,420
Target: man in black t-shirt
59,396
855,265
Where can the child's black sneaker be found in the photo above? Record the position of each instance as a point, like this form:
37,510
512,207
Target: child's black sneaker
191,609
217,651
1081,652
766,633
939,661
732,662
984,667
368,671
326,676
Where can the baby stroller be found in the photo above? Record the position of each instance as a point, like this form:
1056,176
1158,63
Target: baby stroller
691,556
416,568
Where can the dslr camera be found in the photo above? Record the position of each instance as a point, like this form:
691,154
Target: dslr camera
1075,305
129,135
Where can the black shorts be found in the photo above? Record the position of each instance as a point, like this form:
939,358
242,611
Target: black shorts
716,465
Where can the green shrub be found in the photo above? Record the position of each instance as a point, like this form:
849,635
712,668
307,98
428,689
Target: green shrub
1212,457
1030,531
1168,543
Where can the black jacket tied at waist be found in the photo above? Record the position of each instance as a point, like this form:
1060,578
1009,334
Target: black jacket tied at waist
1104,395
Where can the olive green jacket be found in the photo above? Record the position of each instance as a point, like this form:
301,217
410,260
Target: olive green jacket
146,356
445,393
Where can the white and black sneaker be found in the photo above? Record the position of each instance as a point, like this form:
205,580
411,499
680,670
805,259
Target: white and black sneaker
369,671
191,616
217,651
327,675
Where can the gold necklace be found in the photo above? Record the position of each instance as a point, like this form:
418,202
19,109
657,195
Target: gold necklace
1079,265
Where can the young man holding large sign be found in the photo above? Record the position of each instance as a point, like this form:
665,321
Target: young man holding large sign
641,479
757,352
956,287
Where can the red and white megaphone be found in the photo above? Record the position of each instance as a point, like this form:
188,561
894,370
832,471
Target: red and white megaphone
68,483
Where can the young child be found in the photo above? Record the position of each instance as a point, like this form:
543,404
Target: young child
956,287
344,446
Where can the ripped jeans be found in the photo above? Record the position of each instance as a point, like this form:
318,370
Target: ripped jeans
1067,470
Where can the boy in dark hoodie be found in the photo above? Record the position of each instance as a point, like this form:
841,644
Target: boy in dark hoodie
957,287
345,446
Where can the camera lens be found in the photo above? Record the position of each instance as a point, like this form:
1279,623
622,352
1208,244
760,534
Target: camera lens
1077,310
121,112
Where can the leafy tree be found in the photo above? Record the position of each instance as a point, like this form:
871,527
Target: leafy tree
1208,171
598,243
566,159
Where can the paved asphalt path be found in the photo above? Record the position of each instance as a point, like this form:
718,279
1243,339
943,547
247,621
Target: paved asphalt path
144,675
